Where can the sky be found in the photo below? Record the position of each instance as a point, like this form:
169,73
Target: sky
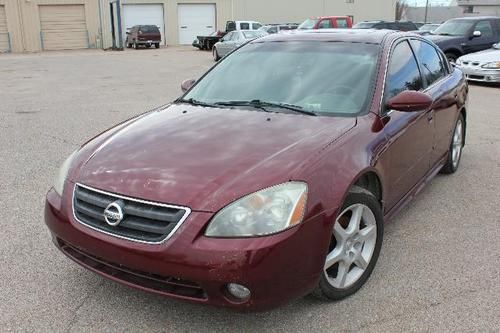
431,2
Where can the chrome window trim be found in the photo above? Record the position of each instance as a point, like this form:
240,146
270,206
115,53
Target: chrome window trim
179,224
397,40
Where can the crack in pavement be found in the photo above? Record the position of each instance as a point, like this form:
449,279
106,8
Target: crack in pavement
85,299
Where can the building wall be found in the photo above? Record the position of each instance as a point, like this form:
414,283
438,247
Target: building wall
223,14
434,14
23,22
278,11
23,19
481,7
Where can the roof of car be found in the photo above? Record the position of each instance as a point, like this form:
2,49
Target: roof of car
475,18
372,36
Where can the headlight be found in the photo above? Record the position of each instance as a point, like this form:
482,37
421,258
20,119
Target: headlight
492,65
262,213
458,62
63,173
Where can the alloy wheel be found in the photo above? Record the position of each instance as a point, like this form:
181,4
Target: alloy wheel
353,244
456,152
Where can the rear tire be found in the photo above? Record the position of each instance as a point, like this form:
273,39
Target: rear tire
136,46
157,45
148,46
354,248
456,147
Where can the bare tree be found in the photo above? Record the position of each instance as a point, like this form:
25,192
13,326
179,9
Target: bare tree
401,6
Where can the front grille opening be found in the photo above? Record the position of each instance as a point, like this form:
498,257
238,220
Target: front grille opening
144,222
154,282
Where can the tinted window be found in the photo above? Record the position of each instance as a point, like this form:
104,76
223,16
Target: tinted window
256,26
245,26
403,71
432,66
342,23
485,28
295,74
325,24
149,28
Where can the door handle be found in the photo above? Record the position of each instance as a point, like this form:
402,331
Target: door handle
184,27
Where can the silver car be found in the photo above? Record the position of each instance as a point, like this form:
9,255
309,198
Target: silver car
481,66
233,40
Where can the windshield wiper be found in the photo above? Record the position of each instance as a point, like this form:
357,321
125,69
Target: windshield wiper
193,101
256,103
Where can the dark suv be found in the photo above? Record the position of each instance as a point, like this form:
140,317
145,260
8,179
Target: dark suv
146,35
457,37
397,25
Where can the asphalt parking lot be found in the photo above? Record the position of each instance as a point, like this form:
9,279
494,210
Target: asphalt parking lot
439,269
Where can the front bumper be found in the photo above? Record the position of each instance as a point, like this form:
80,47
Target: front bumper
189,266
475,73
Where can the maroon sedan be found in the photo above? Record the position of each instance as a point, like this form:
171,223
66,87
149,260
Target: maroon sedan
272,176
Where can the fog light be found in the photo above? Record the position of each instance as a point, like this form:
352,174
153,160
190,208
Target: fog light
238,291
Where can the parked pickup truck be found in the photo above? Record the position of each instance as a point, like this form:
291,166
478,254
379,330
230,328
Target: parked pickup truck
207,42
326,22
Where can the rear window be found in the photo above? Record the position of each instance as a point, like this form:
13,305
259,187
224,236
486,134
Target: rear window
252,34
245,26
364,25
149,28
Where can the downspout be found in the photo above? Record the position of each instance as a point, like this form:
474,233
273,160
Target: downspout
100,24
119,23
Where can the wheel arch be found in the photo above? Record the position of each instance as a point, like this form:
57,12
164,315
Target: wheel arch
370,180
455,51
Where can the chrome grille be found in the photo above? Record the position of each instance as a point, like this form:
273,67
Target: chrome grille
143,221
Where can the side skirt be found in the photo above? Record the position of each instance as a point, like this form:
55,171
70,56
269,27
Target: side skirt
415,190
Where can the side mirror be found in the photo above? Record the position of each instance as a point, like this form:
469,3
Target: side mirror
476,34
186,85
410,101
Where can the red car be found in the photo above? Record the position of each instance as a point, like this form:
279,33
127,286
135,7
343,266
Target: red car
326,22
272,176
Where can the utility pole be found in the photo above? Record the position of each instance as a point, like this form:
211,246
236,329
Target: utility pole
426,10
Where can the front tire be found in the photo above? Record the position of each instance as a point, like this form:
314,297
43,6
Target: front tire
452,57
354,247
456,147
136,46
157,45
215,54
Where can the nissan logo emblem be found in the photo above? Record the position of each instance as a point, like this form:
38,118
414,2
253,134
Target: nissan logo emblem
113,214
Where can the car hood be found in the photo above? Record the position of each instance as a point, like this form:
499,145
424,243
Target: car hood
440,39
483,56
205,158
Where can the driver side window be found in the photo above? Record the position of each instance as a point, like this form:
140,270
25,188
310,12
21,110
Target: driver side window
403,73
485,28
325,24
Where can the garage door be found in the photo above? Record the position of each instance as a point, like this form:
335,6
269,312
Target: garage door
195,20
144,15
4,36
63,27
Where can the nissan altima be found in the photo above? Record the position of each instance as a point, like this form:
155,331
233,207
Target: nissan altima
272,176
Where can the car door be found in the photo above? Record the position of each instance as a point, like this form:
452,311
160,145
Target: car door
222,48
483,42
410,135
445,107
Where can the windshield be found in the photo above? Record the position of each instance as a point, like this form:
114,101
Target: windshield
364,25
254,34
308,24
454,28
428,27
320,77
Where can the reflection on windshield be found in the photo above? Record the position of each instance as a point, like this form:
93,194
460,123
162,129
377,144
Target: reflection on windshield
320,77
454,28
